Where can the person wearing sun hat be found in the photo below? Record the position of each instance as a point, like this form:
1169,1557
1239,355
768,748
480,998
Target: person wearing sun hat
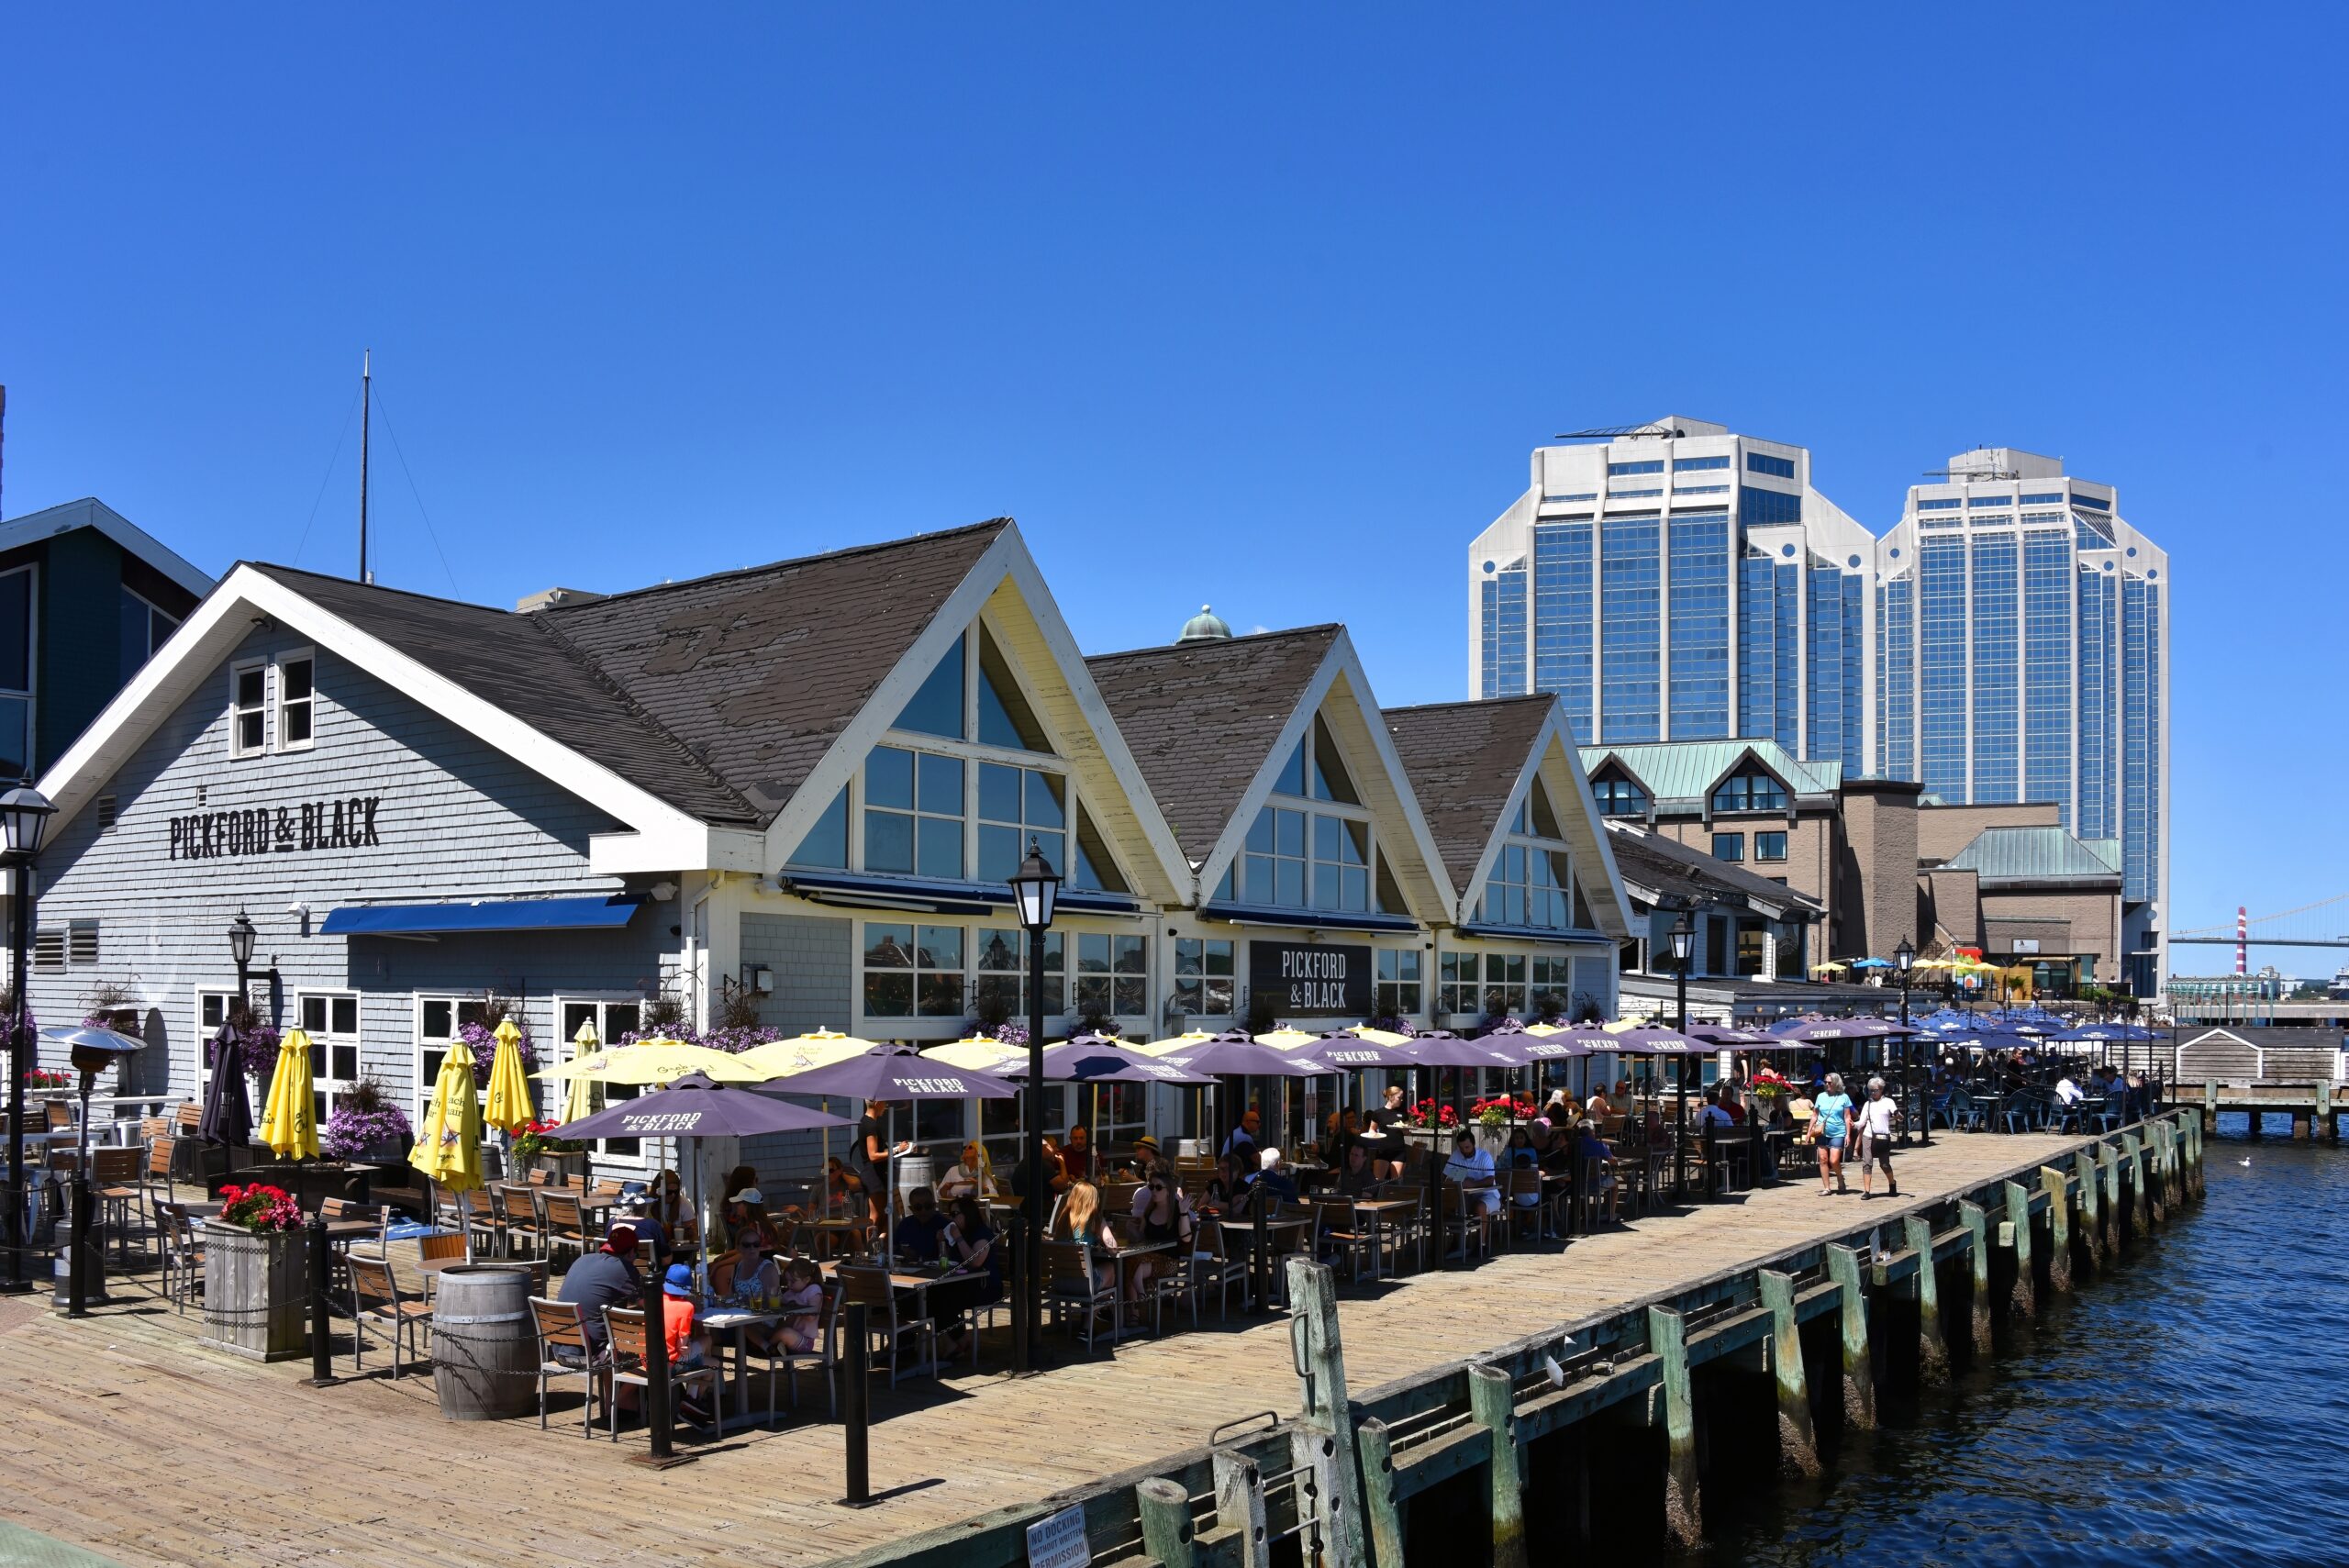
1144,1157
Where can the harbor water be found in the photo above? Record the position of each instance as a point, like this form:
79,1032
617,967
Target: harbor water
2188,1406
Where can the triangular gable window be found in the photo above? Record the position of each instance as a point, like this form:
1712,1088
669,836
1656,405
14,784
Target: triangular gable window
1330,780
1546,820
1094,868
1004,718
937,707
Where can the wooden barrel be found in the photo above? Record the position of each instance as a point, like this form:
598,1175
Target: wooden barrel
484,1349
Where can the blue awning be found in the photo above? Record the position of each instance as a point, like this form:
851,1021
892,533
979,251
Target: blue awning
939,895
1495,932
1306,919
488,915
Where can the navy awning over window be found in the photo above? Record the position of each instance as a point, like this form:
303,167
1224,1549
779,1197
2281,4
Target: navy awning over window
1325,919
488,915
917,893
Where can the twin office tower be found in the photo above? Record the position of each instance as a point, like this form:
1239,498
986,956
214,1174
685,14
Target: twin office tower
2007,640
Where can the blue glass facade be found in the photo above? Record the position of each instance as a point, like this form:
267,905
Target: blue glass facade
1757,646
2047,669
2099,736
1897,688
1631,628
1996,709
1561,616
1942,694
1759,509
2141,656
1503,611
1699,688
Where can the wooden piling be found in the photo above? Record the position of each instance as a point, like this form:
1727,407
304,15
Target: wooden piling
1933,1346
1382,1509
1328,1489
1683,1515
2091,1230
2108,1171
2201,1150
1976,1220
2058,1189
1492,1405
1165,1511
1239,1507
1797,1438
2026,1288
1859,1374
2132,1150
2158,1170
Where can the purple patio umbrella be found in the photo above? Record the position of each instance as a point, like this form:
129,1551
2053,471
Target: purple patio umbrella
1095,1060
888,1074
1806,1030
227,1114
693,1107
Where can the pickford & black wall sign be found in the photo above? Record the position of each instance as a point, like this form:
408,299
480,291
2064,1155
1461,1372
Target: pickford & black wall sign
346,824
1311,977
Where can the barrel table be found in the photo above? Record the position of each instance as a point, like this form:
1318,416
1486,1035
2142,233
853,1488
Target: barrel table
485,1348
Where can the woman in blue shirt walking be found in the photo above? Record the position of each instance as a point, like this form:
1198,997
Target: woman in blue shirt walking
1831,1123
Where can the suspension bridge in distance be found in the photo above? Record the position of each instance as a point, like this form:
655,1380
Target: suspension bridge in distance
2323,924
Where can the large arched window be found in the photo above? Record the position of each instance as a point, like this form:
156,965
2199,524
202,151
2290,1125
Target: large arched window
1752,790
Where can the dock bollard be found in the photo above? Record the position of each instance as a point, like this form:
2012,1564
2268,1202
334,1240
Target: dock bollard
856,1409
321,1272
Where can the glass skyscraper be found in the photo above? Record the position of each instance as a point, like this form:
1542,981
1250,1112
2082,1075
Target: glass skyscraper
2006,641
1681,584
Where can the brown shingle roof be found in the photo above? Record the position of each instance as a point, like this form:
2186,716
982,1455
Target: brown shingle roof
1201,718
717,694
1463,758
1674,875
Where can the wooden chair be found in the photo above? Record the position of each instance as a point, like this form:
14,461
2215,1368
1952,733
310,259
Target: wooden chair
57,1114
566,1225
183,1244
1517,1184
825,1354
517,1209
155,1181
376,1299
1338,1231
117,1180
624,1332
1212,1263
483,1218
1464,1213
187,1119
563,1325
1073,1285
450,1244
871,1287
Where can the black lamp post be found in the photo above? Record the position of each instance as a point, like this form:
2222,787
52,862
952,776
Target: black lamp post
240,948
1034,889
24,818
1682,937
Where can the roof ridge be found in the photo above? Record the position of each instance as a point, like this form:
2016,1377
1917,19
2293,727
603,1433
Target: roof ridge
844,553
637,710
1210,644
372,587
1514,699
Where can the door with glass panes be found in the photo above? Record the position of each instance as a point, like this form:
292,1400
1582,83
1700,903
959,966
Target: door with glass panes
612,1017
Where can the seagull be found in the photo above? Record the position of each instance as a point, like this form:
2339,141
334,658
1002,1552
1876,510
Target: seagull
2244,1162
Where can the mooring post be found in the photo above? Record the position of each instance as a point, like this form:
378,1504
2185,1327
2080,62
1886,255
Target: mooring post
1240,1507
1682,1518
1859,1375
1165,1511
1492,1405
1329,1487
1797,1439
2053,1182
2201,1135
1976,1220
2026,1291
2132,1150
2107,1167
2157,1160
1933,1346
1383,1509
2091,1231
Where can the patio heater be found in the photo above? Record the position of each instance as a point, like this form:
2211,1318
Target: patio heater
93,1052
1683,938
1034,888
24,818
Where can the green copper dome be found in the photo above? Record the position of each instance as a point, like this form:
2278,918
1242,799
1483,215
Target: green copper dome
1205,627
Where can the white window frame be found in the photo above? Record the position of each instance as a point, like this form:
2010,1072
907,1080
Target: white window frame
553,1095
205,1030
422,1082
1381,987
237,673
1311,805
915,1021
1201,979
330,1086
277,700
153,610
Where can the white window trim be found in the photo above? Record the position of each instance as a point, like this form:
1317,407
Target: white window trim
552,1093
323,1041
421,1082
153,609
276,695
918,1025
204,1032
236,675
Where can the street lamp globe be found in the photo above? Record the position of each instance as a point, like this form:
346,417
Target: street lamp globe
240,940
1683,934
1035,887
24,818
1905,955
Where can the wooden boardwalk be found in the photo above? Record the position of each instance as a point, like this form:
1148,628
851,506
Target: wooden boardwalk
127,1438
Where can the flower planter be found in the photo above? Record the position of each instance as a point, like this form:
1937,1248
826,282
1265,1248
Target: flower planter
256,1292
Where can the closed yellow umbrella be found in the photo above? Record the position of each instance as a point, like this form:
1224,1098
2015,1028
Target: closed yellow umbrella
448,1149
289,1122
509,1091
579,1091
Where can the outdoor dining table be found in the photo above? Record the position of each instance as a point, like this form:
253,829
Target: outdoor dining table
1122,1259
733,1321
1246,1231
903,1282
1374,1211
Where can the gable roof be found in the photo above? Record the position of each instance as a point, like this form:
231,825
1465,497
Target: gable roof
1663,873
1464,759
92,513
1687,770
2030,854
1202,718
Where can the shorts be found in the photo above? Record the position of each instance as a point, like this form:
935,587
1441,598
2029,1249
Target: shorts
1875,1151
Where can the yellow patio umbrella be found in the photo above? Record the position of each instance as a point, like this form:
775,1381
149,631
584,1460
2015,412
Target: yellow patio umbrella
1287,1038
817,1048
1173,1043
1388,1037
977,1054
649,1061
448,1149
289,1122
579,1090
509,1092
1539,1031
1831,967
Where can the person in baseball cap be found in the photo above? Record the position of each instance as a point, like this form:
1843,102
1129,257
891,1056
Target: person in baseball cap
604,1277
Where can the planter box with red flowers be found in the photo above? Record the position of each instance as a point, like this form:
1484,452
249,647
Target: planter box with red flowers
257,1274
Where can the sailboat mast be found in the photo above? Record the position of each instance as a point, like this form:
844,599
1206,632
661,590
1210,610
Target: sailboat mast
366,376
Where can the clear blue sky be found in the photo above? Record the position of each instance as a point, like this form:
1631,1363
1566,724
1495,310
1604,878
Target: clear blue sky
1259,308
